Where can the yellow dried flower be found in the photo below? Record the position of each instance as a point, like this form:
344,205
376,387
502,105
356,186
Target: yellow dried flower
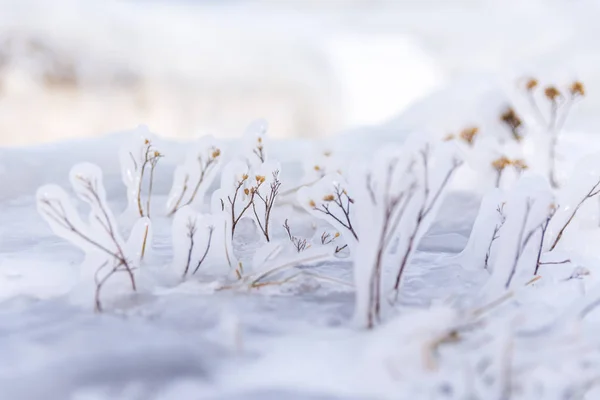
246,191
216,153
337,234
577,89
468,134
156,154
449,137
312,204
520,164
259,140
501,163
146,142
328,197
552,93
244,177
317,168
531,84
260,178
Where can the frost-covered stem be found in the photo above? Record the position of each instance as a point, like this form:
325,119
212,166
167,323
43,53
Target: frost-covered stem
191,227
495,236
489,249
290,264
153,163
339,201
423,212
203,171
144,242
210,234
99,284
268,201
180,198
57,213
593,192
235,219
536,108
141,182
299,244
520,244
553,130
544,228
340,248
498,177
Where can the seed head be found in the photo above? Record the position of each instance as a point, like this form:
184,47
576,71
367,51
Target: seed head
244,177
577,89
449,137
501,163
328,197
468,134
337,234
317,168
531,84
312,204
551,92
246,191
216,153
146,142
260,178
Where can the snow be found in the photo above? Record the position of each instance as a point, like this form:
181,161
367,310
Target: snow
491,304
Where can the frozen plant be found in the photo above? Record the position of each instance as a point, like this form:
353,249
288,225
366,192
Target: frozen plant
436,173
300,244
528,210
330,200
553,120
194,176
99,237
192,238
583,185
384,191
253,146
263,194
138,157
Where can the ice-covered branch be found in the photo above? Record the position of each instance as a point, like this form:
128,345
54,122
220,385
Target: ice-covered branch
100,236
193,178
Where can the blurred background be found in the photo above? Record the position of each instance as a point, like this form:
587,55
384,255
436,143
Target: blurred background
79,68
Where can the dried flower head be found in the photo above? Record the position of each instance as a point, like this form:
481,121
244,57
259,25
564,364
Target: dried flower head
551,92
500,163
531,84
244,177
259,178
449,137
577,89
520,164
146,142
259,140
312,203
328,197
317,168
337,234
216,153
510,118
246,191
157,154
468,134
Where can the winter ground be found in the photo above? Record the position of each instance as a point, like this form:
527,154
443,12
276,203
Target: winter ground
296,341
